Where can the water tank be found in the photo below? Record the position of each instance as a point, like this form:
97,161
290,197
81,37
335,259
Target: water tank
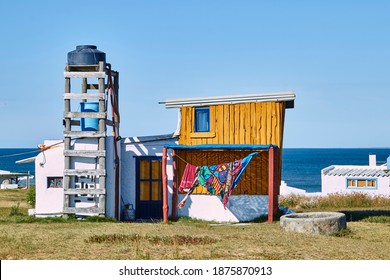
86,55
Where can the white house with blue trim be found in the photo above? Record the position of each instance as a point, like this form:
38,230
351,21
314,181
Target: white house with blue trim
372,179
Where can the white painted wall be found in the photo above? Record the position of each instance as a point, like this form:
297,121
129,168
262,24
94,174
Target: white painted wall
240,208
338,184
131,150
50,163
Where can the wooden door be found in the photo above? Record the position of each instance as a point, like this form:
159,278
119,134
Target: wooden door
148,188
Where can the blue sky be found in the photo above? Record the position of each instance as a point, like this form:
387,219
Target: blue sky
335,55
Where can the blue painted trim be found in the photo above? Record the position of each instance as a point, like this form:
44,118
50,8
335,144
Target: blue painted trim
361,178
219,147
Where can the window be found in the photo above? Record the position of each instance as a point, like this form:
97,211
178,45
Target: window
202,119
150,180
54,182
361,183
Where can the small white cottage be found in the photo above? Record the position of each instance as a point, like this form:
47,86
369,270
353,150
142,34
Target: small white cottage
371,179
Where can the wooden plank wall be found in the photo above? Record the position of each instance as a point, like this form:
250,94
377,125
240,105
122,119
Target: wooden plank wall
247,123
253,181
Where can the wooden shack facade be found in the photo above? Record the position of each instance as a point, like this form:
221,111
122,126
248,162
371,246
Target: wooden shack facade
232,127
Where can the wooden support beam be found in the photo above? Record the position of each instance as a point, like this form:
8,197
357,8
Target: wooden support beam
174,185
86,210
84,153
93,115
85,191
84,172
272,182
86,134
165,185
84,95
84,74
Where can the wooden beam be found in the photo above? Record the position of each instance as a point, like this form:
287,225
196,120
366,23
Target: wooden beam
84,172
93,115
84,96
174,185
272,183
84,153
85,191
86,134
84,74
165,185
87,210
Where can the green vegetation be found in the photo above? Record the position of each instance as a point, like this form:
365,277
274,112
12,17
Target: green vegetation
98,238
377,219
30,197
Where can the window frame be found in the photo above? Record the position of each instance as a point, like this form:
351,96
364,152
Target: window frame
58,182
197,112
353,183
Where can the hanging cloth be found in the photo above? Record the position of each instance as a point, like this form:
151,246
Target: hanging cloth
188,177
220,179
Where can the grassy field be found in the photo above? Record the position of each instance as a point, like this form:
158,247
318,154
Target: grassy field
23,237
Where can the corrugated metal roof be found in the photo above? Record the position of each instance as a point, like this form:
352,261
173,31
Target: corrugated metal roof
230,99
359,171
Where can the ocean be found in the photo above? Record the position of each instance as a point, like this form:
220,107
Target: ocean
8,157
301,168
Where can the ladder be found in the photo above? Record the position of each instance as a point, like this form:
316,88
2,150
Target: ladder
84,183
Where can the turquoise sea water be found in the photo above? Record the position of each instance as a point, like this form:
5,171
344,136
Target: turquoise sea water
301,168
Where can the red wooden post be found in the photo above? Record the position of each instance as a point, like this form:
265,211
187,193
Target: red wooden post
174,185
272,191
277,174
165,185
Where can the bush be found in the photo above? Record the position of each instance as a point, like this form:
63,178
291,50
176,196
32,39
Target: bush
15,211
31,196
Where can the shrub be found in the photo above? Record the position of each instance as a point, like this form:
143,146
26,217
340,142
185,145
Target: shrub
15,210
31,196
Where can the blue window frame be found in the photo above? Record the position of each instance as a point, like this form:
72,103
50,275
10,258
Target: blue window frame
202,119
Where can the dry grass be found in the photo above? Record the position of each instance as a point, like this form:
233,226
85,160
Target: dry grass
187,239
337,200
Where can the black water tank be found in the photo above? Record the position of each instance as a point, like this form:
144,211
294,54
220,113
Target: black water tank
86,55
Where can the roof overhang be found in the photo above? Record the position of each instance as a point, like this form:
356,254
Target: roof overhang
219,147
13,175
287,97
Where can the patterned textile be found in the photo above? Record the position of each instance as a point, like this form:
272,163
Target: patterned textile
220,179
188,177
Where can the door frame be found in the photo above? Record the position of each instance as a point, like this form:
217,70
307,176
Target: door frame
138,180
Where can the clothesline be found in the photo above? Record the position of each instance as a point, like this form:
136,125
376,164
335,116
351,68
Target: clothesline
182,159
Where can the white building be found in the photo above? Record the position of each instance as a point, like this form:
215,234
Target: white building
370,179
